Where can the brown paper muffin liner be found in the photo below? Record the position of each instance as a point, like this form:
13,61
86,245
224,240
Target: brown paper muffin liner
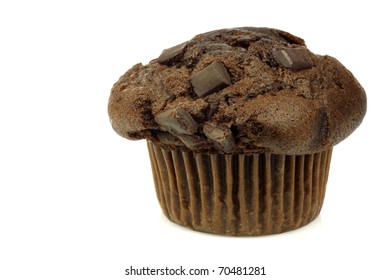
242,195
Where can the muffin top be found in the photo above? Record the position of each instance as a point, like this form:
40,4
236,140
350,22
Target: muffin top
241,90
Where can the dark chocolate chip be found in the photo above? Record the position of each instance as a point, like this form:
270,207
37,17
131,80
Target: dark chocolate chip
193,141
170,54
295,59
211,79
166,138
244,42
220,135
177,121
291,39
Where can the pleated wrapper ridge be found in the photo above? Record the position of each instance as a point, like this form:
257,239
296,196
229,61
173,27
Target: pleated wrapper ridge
238,194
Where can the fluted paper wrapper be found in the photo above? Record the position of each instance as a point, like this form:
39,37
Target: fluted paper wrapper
243,195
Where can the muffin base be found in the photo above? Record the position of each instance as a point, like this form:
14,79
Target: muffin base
239,195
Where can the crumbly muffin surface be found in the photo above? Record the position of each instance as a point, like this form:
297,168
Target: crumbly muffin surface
241,90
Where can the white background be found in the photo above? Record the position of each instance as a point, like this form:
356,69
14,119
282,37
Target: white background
77,201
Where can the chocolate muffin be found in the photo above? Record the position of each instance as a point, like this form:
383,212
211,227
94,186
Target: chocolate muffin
240,125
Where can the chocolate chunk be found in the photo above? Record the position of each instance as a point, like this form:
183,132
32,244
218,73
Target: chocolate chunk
295,59
220,135
170,54
291,39
166,138
193,141
177,121
244,42
211,79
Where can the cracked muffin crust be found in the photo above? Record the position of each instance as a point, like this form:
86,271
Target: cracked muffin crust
241,90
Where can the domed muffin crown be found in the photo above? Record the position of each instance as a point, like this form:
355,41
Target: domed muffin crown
241,90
